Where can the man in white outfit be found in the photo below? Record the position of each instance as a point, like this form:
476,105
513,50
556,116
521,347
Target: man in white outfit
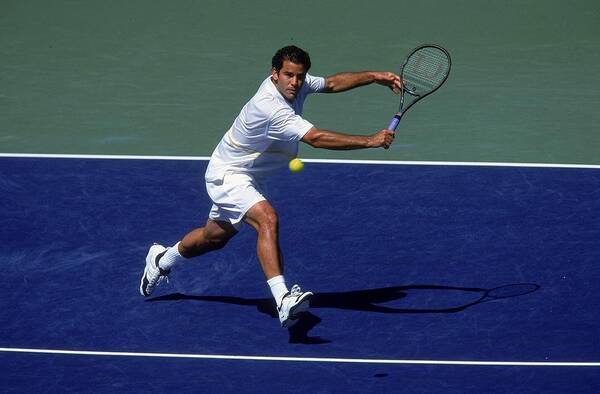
264,137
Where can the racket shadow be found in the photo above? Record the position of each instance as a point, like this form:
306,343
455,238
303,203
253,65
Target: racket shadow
370,300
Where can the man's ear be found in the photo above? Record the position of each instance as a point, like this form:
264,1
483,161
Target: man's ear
274,74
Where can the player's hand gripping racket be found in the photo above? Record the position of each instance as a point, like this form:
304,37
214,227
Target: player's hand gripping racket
423,71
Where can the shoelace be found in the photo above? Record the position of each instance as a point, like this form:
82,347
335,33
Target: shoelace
295,291
158,280
163,275
161,279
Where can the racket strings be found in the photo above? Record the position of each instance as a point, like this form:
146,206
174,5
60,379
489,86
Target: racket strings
425,70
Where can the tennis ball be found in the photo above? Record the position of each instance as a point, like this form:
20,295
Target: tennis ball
296,165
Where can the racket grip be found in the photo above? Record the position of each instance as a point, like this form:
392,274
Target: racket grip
394,123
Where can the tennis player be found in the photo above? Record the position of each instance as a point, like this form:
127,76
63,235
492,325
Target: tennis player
262,138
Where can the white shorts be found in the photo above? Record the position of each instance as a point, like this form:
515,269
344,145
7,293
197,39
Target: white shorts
233,197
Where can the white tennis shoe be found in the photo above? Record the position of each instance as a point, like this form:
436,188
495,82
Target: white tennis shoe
294,302
153,274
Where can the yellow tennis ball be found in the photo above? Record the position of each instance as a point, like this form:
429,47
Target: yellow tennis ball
296,165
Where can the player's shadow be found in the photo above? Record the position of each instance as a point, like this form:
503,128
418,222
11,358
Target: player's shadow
439,299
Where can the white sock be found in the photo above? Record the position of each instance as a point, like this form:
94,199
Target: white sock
170,258
278,287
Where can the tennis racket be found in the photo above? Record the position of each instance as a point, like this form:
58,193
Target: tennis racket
423,71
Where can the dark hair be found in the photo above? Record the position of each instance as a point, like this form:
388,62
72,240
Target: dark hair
293,54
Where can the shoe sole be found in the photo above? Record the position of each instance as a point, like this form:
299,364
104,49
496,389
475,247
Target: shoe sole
148,261
300,307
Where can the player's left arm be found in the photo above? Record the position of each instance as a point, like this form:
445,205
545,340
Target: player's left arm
349,80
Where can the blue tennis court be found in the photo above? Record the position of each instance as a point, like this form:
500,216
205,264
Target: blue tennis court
398,255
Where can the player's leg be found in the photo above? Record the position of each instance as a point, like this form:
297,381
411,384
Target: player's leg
224,220
263,218
160,260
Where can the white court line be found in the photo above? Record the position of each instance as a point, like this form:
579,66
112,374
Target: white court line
307,359
330,161
102,157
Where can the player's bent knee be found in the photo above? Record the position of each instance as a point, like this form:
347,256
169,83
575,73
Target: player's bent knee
271,219
263,218
269,222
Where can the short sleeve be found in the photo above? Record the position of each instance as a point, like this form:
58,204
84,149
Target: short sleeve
285,125
314,84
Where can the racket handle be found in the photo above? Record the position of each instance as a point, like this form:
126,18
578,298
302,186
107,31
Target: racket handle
394,123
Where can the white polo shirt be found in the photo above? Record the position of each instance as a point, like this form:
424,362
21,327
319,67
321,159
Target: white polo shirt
265,134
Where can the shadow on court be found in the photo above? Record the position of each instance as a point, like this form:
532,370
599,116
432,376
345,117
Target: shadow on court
437,299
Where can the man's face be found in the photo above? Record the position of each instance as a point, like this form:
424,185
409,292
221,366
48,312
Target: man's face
289,79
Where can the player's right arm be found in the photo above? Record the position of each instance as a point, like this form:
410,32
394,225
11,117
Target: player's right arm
349,80
338,141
